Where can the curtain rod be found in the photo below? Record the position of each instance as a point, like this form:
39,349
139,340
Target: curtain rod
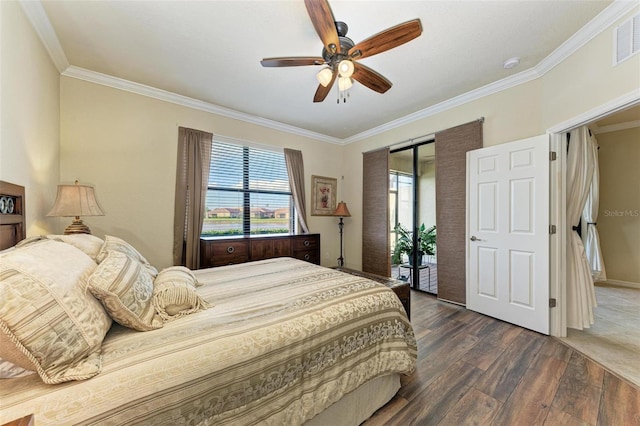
419,139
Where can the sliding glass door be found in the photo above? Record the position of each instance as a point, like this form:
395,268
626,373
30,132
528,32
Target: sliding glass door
412,216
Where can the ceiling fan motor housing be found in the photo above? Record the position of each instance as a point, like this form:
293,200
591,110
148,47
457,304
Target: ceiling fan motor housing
345,45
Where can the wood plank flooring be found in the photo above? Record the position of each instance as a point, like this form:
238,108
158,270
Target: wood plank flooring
475,370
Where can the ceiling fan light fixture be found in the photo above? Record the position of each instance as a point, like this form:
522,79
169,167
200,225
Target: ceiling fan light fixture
344,83
346,68
324,76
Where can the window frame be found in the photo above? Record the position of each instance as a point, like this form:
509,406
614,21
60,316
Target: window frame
247,191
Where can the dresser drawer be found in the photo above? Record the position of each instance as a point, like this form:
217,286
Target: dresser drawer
307,247
312,256
220,253
306,242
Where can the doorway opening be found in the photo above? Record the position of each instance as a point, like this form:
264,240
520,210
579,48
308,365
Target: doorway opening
412,216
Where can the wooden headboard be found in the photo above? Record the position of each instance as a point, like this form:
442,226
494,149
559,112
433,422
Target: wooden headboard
12,218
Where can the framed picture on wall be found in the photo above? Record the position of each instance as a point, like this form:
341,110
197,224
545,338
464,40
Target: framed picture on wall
323,195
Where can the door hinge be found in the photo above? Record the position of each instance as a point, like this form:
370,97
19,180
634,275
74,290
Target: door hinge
552,229
552,303
552,156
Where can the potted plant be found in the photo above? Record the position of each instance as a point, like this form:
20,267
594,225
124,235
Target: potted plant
404,244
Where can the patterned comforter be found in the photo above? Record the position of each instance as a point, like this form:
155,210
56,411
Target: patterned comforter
284,340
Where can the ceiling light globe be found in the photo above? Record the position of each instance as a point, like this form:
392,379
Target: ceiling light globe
344,83
345,68
324,76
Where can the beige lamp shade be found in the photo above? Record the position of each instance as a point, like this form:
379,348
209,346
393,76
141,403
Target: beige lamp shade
75,201
342,210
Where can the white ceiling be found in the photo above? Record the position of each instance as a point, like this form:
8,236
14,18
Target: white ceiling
210,51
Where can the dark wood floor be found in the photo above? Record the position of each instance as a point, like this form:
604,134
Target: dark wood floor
475,370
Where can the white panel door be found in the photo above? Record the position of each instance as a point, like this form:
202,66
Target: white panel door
508,232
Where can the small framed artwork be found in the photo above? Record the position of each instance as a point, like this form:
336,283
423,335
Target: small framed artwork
323,195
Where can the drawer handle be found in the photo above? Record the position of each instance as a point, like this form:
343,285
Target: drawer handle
307,257
230,249
306,243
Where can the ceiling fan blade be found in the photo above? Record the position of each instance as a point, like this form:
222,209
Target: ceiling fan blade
292,61
370,78
324,23
323,91
387,39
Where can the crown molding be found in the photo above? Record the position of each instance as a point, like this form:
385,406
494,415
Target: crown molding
615,127
615,11
40,22
481,92
163,95
37,15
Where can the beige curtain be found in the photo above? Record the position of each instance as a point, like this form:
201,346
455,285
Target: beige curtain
375,213
581,296
194,158
295,169
451,201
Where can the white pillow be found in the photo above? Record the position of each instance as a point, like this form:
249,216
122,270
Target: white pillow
89,244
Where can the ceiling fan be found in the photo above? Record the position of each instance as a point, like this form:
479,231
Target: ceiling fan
340,53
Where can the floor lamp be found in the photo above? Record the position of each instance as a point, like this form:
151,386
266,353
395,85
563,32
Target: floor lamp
341,211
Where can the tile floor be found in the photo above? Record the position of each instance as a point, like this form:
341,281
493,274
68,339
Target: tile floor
614,339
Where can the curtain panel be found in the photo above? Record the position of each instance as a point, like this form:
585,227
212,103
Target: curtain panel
295,169
590,236
581,297
194,160
375,213
451,206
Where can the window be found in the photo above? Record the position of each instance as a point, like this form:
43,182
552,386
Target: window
248,192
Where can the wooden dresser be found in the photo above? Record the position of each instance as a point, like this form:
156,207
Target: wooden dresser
228,251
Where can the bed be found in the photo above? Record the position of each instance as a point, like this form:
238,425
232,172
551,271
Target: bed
278,341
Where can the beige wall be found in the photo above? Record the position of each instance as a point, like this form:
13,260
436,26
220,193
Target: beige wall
126,145
584,81
619,212
29,118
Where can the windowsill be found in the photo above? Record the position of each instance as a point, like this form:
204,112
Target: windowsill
226,237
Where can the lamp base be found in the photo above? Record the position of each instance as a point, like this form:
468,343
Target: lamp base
77,227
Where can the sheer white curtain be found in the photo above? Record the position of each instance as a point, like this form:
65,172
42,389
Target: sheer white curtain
581,297
590,237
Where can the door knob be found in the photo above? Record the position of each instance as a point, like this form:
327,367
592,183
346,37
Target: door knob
473,238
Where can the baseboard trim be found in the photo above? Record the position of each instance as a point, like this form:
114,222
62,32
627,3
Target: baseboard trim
620,283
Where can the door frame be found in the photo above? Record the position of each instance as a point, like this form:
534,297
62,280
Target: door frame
557,203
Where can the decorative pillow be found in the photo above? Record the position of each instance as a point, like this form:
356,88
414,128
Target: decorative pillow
125,286
174,293
89,244
49,322
112,243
